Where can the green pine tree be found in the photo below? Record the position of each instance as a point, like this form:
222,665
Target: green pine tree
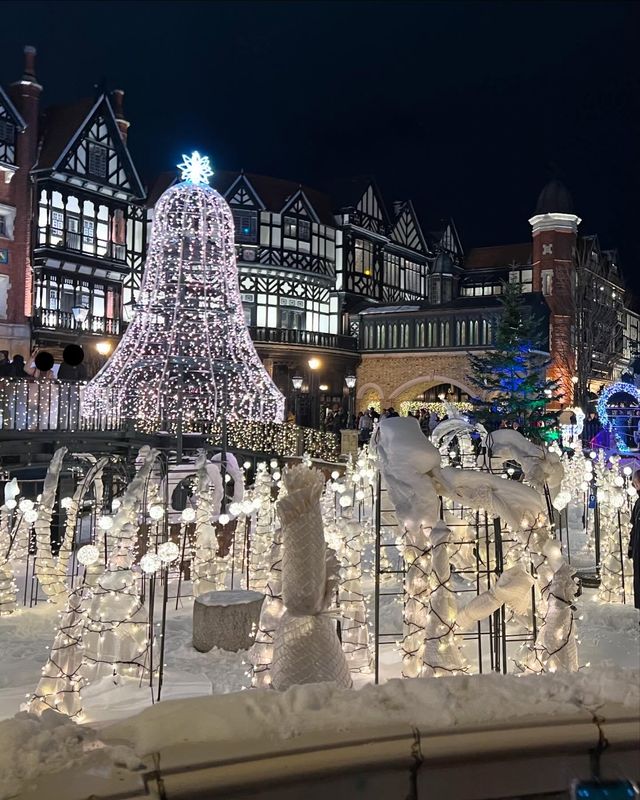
512,376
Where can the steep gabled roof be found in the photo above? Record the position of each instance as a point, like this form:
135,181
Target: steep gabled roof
7,106
65,127
274,193
499,256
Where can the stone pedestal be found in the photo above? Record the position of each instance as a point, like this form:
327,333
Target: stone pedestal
228,620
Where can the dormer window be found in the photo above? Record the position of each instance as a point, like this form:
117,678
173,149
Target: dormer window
97,161
295,228
246,223
7,131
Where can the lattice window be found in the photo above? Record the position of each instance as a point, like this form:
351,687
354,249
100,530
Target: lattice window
246,224
7,131
97,160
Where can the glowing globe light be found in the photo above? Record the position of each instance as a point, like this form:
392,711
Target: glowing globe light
11,504
150,563
30,516
168,551
224,519
25,505
66,502
88,555
346,501
156,512
236,508
105,523
188,515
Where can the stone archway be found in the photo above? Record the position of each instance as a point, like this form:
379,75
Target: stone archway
409,389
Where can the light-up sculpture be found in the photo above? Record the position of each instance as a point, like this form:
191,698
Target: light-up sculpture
187,360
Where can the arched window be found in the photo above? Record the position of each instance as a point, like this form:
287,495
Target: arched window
462,333
473,335
394,336
429,334
446,335
420,334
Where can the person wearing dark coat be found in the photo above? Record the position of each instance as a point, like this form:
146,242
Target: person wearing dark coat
69,373
5,364
634,541
17,367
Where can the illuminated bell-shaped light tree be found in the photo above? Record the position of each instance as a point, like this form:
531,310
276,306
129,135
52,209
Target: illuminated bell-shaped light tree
187,358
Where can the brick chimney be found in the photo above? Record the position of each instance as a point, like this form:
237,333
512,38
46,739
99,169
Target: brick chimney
117,97
25,94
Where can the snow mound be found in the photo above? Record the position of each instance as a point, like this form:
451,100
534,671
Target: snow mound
32,746
424,703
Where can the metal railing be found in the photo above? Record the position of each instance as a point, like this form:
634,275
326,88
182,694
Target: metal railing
50,405
74,241
64,320
304,338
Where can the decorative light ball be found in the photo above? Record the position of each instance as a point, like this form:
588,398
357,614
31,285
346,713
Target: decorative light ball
618,480
256,504
334,486
188,515
584,486
335,474
105,523
593,454
359,495
227,478
236,508
224,519
168,551
247,506
273,463
631,491
627,471
66,502
88,554
11,504
345,501
25,504
150,563
116,503
156,512
247,465
31,515
276,476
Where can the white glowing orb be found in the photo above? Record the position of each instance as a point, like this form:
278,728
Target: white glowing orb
224,519
88,554
195,168
156,512
247,506
25,504
273,463
105,523
247,465
11,504
335,474
168,551
150,563
345,501
188,515
31,515
236,508
66,502
115,504
627,471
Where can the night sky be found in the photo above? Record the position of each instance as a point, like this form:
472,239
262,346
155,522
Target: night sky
466,108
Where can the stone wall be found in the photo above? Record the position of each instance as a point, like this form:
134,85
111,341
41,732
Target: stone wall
404,376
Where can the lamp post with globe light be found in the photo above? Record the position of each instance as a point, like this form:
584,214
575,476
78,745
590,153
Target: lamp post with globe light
350,380
314,365
297,385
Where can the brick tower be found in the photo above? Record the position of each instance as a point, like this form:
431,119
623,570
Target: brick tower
554,229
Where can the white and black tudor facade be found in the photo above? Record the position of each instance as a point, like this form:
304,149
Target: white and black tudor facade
342,278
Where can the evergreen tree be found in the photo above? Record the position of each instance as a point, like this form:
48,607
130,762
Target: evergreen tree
512,375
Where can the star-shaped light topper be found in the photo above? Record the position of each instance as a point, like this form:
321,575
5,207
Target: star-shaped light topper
195,168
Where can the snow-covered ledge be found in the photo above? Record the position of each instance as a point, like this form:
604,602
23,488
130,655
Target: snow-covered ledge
528,734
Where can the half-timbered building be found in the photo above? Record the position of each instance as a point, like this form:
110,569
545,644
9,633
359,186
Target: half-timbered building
85,206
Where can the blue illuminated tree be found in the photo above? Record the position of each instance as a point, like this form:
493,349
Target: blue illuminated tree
512,375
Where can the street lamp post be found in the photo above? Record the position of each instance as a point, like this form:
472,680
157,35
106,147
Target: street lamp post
297,385
314,365
350,380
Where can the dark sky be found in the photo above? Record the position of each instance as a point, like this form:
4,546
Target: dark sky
461,107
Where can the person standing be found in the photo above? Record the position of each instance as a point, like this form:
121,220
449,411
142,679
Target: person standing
5,364
365,426
634,541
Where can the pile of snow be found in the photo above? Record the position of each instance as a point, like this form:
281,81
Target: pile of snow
426,703
32,746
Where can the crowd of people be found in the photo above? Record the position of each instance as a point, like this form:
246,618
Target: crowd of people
18,368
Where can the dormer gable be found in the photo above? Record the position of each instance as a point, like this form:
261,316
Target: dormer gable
406,229
82,143
298,205
241,194
11,123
